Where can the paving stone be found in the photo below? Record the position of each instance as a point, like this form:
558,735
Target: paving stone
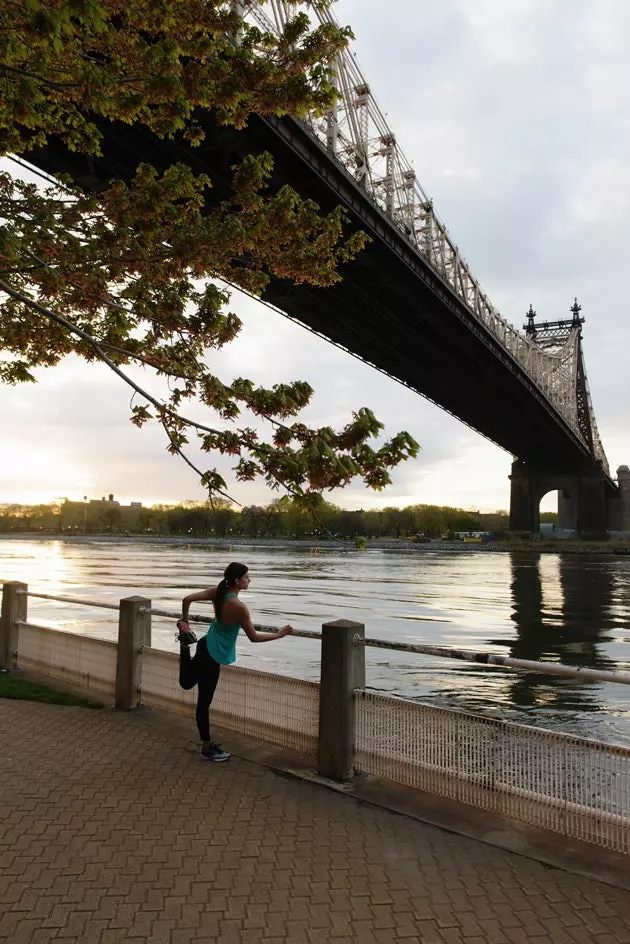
112,832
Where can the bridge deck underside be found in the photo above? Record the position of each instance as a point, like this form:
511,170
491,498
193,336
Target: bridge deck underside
391,309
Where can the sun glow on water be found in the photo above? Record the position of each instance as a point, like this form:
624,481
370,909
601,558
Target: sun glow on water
53,567
48,568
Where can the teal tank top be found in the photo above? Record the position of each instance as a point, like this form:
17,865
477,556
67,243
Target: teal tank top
221,640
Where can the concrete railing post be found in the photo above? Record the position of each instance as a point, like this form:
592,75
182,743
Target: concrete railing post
343,670
14,606
134,631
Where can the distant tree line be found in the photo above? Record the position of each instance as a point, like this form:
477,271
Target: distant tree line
279,519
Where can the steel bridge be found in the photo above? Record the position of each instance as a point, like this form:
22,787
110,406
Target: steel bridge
409,304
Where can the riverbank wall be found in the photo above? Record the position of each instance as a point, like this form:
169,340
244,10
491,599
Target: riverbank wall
392,544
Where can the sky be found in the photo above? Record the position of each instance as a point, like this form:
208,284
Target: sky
516,115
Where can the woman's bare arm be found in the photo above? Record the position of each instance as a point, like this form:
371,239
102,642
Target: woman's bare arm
252,634
194,598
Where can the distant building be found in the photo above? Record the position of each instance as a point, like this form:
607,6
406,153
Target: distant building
103,503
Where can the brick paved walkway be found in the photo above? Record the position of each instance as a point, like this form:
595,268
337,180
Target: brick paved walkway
111,831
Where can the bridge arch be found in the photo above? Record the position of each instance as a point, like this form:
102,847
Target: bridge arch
585,504
567,493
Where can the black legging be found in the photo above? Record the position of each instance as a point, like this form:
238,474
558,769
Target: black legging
201,670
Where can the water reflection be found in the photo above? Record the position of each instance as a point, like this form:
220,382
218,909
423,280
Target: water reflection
561,608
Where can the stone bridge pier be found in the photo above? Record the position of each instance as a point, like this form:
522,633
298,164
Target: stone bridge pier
588,503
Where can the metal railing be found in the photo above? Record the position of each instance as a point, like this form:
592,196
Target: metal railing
550,780
582,673
259,627
569,785
490,658
77,601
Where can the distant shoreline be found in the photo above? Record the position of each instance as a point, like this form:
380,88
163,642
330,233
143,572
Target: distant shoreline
560,547
393,544
380,543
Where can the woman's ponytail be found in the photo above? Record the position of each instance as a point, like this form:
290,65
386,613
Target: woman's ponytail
231,574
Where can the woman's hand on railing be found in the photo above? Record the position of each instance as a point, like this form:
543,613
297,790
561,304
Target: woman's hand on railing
285,631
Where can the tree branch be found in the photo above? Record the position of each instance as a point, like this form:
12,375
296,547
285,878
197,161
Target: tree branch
161,407
42,310
183,456
50,83
270,419
147,361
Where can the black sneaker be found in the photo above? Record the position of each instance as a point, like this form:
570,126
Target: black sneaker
214,753
185,637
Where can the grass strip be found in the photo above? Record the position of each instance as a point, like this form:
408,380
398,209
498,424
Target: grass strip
13,687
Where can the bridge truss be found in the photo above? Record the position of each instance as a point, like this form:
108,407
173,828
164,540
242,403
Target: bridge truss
356,133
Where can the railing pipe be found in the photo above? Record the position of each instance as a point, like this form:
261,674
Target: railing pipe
259,627
489,658
62,599
442,652
151,611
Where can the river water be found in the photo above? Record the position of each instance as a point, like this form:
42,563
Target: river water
573,609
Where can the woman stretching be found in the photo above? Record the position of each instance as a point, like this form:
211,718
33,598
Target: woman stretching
217,647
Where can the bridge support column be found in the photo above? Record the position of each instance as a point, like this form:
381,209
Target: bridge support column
568,508
592,511
584,503
622,522
619,507
524,508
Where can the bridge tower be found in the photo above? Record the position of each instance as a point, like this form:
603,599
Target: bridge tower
588,501
623,481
